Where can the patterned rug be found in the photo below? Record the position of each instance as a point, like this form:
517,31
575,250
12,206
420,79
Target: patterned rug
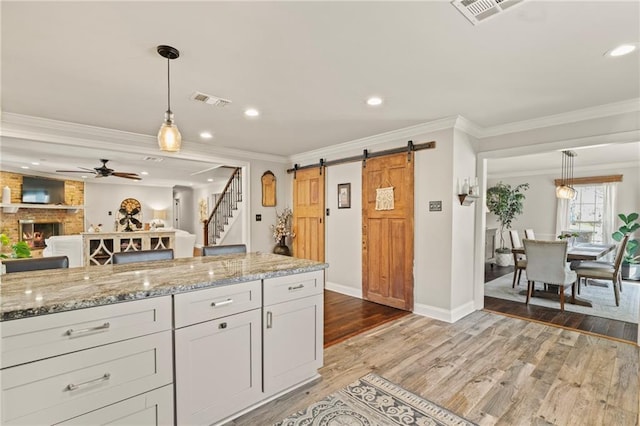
600,293
373,401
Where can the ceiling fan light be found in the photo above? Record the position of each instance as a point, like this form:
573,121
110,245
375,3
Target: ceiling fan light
169,137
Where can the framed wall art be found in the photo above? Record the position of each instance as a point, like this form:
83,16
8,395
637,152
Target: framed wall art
344,195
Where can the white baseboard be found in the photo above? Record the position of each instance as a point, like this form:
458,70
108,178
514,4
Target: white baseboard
447,315
339,288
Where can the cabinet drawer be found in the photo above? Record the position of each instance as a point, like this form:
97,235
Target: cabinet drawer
30,339
149,409
291,287
203,305
65,386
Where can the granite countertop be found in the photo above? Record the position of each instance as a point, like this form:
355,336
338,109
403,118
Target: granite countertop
27,294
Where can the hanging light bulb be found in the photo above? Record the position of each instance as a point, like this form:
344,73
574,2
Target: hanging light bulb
169,138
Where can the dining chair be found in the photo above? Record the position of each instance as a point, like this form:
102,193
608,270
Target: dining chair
36,264
225,249
134,256
519,260
528,234
547,263
605,270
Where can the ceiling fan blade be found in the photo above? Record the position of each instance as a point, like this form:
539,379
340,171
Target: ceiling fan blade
127,175
75,171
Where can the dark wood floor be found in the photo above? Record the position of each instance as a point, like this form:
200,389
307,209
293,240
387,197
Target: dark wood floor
615,329
346,316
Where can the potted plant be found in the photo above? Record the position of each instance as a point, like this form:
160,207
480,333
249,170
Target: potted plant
18,250
506,203
631,259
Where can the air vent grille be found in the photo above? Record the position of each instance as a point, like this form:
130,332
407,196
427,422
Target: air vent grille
209,99
478,11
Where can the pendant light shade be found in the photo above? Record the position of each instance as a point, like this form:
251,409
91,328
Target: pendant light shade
169,138
565,189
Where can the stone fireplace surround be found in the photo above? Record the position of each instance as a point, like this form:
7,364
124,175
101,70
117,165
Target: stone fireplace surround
71,221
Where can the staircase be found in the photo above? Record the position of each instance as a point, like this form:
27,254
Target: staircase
223,211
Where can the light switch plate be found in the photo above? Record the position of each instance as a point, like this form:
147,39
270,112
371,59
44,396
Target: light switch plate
435,206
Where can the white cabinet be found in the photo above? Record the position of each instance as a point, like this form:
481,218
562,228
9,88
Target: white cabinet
149,409
292,330
69,364
217,362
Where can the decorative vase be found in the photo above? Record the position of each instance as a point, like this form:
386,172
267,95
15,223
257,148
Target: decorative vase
282,248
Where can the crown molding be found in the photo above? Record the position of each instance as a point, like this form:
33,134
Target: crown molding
600,111
371,142
47,130
618,167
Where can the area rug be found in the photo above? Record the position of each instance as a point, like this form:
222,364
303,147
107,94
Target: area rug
373,400
600,293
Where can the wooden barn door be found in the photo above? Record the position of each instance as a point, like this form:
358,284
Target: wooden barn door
387,235
308,214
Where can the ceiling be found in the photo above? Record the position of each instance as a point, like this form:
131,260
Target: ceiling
307,66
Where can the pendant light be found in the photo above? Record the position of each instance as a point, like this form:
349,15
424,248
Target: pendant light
169,137
566,190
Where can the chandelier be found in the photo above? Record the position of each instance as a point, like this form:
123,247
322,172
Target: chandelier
565,189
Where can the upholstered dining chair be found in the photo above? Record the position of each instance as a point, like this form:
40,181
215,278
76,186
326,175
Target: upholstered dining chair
519,260
228,249
529,235
36,264
141,256
605,270
547,263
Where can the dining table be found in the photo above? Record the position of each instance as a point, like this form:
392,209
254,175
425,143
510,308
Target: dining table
575,253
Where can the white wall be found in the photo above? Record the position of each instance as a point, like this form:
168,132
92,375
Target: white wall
344,230
261,236
100,199
539,211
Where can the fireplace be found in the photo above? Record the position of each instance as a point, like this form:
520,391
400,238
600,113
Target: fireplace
34,233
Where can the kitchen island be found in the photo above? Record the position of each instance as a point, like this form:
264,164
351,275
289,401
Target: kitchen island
217,335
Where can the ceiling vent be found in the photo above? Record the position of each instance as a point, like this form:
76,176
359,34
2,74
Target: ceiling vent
478,11
156,159
210,100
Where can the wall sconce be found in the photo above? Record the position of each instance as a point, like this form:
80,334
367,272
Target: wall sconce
469,191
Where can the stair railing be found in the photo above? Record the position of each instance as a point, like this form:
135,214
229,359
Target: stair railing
226,204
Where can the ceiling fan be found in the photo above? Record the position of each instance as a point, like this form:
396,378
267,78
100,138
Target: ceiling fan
103,171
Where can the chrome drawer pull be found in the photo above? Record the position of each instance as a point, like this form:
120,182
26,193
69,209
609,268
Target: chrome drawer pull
105,377
224,302
297,287
269,319
104,326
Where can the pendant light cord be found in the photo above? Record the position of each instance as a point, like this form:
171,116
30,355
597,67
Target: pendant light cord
168,85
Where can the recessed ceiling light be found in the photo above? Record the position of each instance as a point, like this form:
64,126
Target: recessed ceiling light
374,101
206,135
623,49
209,180
144,173
24,167
251,112
35,163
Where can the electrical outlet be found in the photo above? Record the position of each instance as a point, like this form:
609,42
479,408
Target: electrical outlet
258,218
435,206
327,212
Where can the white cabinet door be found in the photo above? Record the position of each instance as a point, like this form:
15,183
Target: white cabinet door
293,338
218,368
149,409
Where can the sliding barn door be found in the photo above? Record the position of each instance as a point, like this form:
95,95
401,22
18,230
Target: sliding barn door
387,235
308,214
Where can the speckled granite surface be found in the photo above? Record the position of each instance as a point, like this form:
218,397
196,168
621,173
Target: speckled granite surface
27,294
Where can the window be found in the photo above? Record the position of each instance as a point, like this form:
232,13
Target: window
586,212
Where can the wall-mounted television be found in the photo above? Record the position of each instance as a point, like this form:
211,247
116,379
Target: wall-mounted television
38,190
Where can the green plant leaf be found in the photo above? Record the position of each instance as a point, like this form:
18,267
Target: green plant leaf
632,217
21,249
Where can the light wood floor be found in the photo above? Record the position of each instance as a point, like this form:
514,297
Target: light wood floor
486,367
